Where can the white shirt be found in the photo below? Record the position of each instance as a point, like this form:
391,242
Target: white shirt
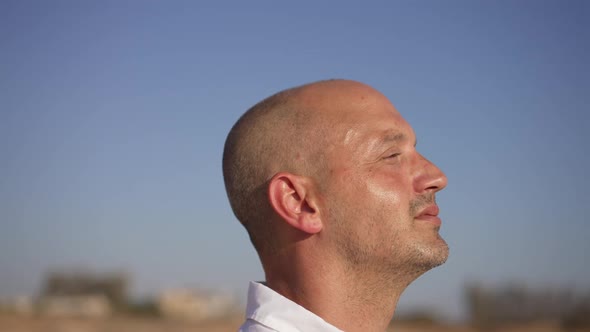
269,311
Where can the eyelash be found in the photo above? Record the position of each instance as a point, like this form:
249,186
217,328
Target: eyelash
393,155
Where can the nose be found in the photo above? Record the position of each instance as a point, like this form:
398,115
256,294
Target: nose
430,177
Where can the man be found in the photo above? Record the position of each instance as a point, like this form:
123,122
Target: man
338,203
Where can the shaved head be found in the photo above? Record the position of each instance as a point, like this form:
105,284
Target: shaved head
288,132
313,131
338,203
280,133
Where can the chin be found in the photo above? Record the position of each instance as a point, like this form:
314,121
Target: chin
433,255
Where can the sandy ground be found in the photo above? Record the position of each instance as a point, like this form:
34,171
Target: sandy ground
15,323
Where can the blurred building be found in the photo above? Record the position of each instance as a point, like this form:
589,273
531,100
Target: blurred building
185,304
22,305
83,294
91,306
491,307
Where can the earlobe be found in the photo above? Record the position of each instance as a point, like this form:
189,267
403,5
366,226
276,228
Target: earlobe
290,198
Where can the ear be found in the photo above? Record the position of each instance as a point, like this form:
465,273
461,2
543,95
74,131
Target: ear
291,198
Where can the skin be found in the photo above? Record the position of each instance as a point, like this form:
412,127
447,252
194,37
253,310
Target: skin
351,230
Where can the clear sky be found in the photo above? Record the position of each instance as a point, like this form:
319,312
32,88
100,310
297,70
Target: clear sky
113,116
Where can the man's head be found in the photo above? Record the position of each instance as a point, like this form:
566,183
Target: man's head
334,164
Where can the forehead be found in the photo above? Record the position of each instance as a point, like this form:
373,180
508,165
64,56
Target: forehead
374,124
352,116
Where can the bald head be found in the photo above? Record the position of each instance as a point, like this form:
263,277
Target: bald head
287,132
327,180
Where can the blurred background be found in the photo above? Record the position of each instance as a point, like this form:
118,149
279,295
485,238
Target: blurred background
113,116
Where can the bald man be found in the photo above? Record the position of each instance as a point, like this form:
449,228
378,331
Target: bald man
338,203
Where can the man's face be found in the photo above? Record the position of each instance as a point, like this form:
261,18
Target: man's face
379,191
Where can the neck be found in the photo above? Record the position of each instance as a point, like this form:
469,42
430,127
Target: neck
350,299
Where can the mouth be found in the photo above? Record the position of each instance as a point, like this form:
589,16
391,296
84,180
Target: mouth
430,215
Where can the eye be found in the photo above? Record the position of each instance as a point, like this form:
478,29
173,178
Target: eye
392,156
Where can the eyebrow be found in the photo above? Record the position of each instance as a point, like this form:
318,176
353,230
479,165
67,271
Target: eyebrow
393,137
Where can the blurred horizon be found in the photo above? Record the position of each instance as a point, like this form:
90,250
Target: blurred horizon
113,117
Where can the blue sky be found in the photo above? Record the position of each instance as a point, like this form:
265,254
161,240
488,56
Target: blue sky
113,116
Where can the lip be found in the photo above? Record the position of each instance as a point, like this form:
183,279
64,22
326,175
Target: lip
430,214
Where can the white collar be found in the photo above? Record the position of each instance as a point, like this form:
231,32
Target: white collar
277,312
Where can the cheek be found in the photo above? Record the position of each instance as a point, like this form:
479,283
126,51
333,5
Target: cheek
341,181
366,193
389,189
